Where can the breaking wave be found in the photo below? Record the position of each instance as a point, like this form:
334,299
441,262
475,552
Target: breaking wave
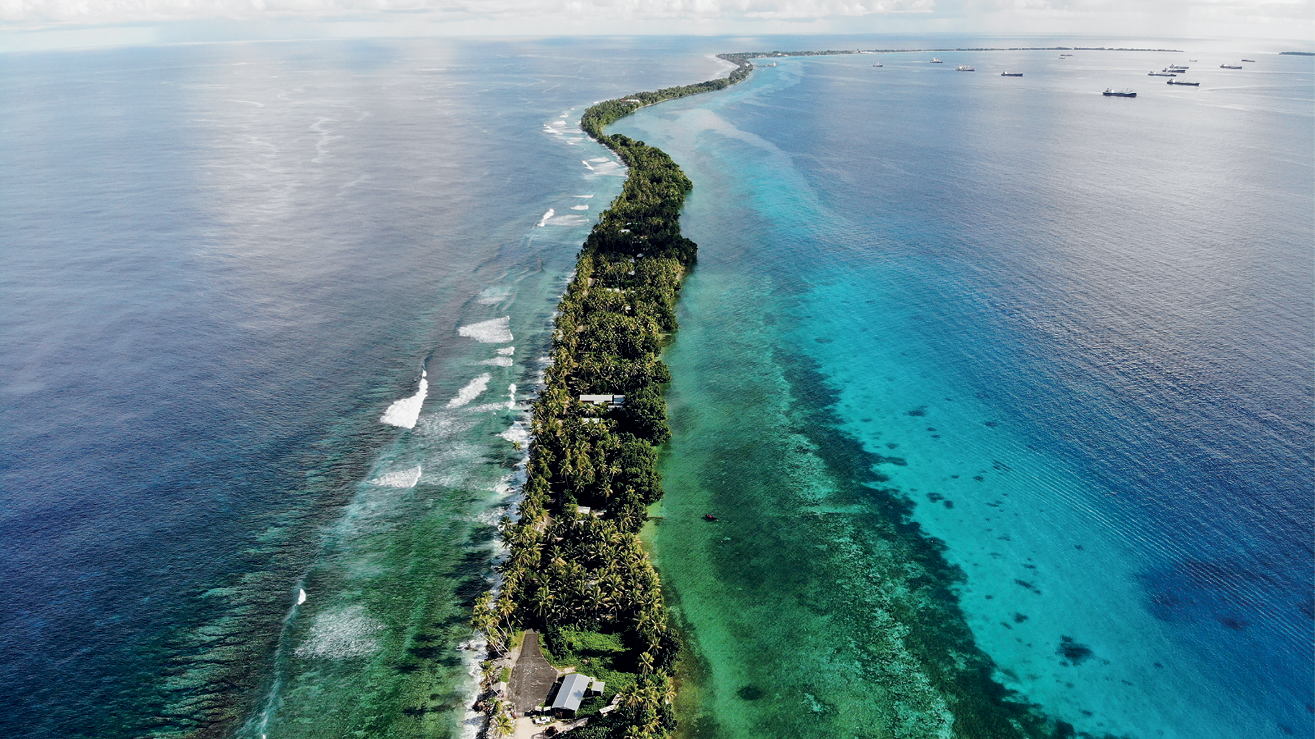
472,390
403,413
399,478
496,331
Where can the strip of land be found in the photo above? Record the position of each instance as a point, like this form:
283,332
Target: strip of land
576,570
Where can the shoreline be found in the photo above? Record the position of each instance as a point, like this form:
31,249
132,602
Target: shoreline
576,567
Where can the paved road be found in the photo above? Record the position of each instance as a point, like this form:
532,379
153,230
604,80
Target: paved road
532,677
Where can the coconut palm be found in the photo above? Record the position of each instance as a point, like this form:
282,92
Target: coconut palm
502,725
544,603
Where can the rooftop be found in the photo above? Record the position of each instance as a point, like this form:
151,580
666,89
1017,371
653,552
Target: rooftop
571,692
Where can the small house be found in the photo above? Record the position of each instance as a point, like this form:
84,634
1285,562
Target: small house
569,694
611,401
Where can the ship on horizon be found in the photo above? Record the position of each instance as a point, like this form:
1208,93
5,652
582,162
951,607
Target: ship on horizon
1007,73
1120,94
934,60
964,68
1177,82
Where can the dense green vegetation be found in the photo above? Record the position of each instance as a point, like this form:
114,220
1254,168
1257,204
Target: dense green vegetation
576,570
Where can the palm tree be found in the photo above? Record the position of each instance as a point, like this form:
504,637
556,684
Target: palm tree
646,663
502,725
666,688
543,602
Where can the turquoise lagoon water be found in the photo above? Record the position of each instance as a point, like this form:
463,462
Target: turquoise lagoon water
1001,391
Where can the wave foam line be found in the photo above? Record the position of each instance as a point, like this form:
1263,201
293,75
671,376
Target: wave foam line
399,478
404,413
496,331
472,390
544,220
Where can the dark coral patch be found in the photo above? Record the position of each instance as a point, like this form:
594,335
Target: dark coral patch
919,411
750,692
1071,652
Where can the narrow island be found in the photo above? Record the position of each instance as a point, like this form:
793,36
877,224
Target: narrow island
577,630
577,586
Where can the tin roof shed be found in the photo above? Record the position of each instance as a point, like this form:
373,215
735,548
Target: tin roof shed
571,692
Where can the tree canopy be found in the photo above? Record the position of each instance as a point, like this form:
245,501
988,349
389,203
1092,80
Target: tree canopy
587,573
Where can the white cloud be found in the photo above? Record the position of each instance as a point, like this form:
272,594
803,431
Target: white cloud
338,18
150,10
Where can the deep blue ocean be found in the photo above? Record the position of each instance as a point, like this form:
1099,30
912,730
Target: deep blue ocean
223,266
272,313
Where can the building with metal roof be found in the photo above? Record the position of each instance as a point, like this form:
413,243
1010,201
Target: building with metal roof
611,401
570,693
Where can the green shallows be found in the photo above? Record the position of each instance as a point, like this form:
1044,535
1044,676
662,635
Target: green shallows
813,607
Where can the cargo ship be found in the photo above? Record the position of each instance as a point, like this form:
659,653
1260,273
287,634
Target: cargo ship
1007,73
1120,94
1230,66
1188,84
964,68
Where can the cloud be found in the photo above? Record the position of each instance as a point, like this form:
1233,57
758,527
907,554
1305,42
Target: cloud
155,10
1222,18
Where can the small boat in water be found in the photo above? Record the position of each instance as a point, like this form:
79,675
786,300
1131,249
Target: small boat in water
878,64
709,517
934,60
1120,94
1187,84
964,68
1253,61
1230,66
1007,73
1161,74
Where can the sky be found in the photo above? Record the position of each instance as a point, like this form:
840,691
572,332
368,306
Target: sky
37,24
